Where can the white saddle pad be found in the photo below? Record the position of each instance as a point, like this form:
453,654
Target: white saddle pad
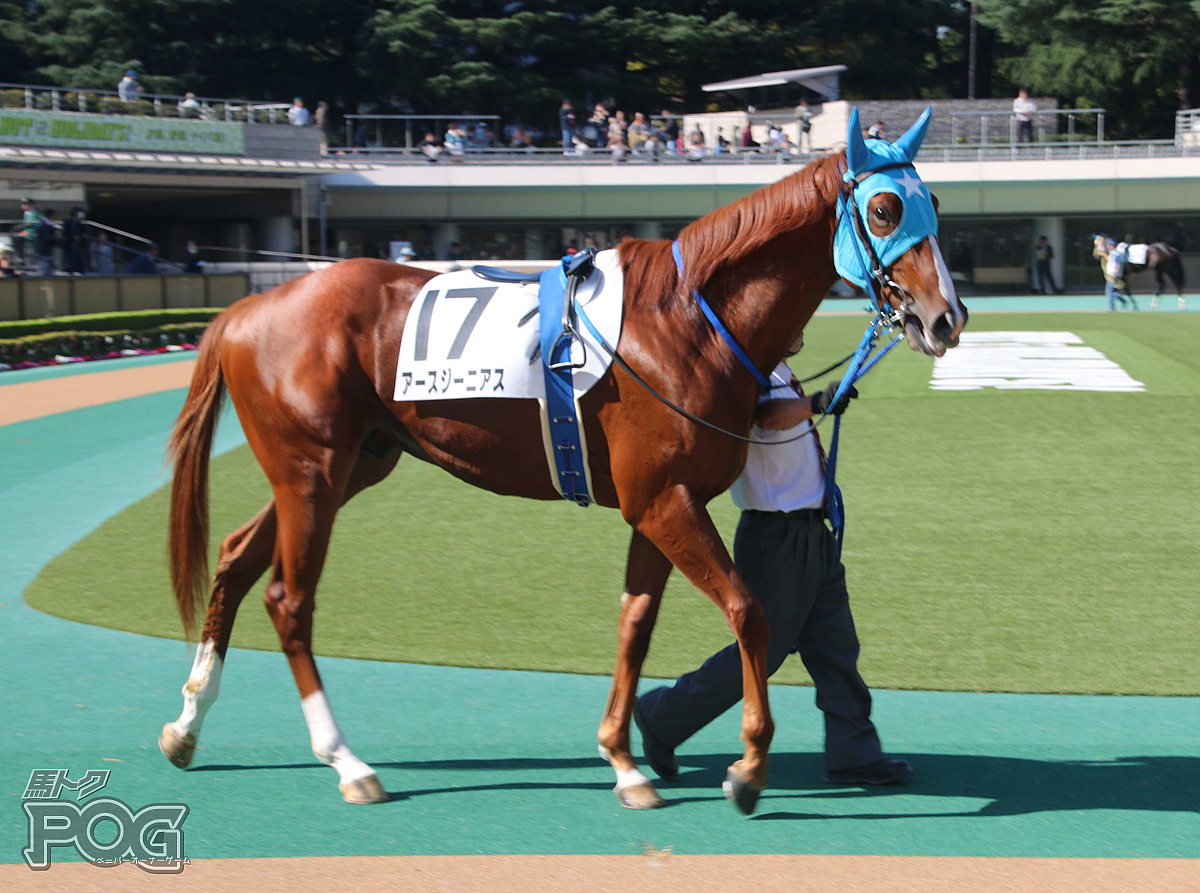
466,336
1137,254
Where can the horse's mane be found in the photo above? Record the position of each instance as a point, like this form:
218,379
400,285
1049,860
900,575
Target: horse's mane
729,234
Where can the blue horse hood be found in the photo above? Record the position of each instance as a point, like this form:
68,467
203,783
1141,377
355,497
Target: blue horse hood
918,220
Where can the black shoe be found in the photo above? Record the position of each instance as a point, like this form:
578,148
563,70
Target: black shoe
881,772
660,757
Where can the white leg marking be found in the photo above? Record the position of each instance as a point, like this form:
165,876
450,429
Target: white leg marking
626,778
945,283
328,745
200,690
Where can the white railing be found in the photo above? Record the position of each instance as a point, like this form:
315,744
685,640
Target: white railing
1002,126
1187,129
156,105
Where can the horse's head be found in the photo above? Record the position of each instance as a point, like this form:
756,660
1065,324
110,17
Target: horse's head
886,238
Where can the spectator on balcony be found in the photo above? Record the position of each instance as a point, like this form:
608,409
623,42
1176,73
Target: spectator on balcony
7,271
595,130
75,238
671,129
521,139
720,143
128,87
298,114
146,263
321,122
191,260
804,126
27,238
877,131
638,133
695,147
774,137
618,141
1023,108
566,123
188,107
360,136
455,141
430,147
48,238
102,255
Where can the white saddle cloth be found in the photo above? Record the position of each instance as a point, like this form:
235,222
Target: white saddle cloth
466,336
1137,254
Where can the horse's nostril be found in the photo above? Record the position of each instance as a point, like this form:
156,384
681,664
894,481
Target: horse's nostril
943,327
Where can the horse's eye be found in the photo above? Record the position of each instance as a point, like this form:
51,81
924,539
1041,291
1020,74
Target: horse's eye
883,214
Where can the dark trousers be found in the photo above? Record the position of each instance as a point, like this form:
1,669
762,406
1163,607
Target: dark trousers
1024,131
1045,280
790,563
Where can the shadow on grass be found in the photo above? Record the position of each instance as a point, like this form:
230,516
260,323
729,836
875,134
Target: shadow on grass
1012,786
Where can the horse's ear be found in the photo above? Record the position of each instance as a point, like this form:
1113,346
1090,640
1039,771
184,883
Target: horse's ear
910,143
856,149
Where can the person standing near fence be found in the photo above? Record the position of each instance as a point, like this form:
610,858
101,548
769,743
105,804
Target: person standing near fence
1023,108
1043,253
566,122
321,122
75,238
48,239
102,255
26,242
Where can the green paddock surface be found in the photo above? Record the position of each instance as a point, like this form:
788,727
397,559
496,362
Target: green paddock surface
997,541
487,761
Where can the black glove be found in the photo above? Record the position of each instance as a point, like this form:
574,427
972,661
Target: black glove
821,403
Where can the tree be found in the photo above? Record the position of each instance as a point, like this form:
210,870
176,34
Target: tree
1139,59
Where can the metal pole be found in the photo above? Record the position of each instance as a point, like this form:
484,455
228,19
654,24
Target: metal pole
407,135
971,55
304,217
1071,127
1100,128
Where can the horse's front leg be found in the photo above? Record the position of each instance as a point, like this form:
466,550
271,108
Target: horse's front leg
682,528
645,576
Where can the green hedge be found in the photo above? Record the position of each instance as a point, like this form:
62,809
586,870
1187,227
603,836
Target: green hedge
83,343
108,323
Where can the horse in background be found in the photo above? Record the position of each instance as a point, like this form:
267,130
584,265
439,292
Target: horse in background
311,366
1162,260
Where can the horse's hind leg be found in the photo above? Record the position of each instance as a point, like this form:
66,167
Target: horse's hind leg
306,503
1158,277
645,576
245,555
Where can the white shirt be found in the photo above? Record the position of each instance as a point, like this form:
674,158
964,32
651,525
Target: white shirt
781,478
1024,108
298,115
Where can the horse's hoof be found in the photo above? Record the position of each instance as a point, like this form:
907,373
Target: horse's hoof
740,792
363,790
175,747
639,796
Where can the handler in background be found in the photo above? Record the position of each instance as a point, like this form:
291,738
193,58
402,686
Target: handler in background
790,561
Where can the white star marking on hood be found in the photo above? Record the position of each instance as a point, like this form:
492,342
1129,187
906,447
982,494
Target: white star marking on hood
912,185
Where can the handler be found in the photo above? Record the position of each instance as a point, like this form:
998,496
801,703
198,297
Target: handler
790,561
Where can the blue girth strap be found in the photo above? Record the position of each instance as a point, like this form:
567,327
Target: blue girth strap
566,436
763,381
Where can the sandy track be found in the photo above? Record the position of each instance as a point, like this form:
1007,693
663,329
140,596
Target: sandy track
34,399
661,874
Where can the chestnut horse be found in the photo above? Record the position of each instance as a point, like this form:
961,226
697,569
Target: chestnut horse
310,367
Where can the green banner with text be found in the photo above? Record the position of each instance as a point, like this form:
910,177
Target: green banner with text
71,130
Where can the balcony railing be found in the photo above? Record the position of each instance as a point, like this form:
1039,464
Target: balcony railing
156,105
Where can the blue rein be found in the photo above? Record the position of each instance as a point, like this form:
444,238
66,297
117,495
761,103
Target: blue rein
763,381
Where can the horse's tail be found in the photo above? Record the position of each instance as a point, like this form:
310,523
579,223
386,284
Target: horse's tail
188,449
